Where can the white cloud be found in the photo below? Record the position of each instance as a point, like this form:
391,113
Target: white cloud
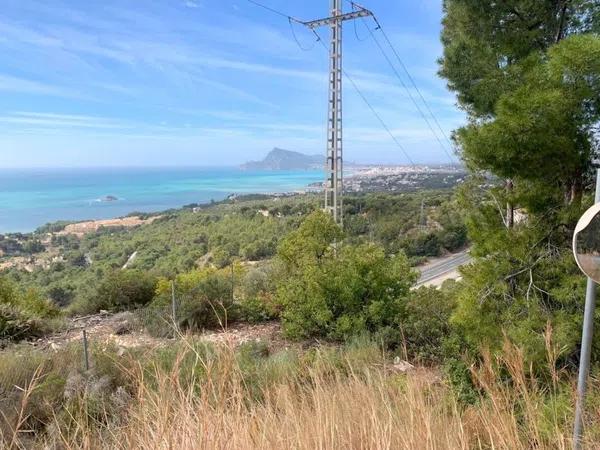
191,4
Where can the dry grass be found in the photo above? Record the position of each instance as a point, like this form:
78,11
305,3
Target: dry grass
343,400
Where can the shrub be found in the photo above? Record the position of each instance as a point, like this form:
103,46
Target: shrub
221,258
337,290
33,246
258,309
426,323
203,299
454,238
21,313
34,305
61,295
77,259
16,325
257,303
259,249
124,289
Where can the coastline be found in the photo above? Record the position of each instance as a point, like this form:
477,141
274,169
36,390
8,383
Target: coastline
115,208
32,198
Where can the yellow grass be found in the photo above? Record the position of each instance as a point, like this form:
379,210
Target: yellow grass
348,403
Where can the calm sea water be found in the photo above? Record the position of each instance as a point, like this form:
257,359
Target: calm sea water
32,197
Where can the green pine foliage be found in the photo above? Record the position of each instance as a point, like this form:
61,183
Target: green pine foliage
334,290
527,74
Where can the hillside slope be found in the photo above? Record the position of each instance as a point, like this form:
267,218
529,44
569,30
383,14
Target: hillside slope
280,159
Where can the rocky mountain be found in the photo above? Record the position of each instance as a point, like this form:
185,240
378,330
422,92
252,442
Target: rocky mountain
280,159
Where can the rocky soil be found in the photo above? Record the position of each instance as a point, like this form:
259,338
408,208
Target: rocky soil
123,330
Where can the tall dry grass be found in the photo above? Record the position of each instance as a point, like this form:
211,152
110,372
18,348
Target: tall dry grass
349,401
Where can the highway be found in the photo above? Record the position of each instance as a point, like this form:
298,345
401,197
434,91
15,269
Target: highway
442,267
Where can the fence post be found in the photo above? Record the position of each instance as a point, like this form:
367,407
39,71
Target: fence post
85,351
174,306
232,283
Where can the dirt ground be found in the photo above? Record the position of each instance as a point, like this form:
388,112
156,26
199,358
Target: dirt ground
121,329
91,226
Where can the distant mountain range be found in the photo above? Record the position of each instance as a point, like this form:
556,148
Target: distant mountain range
280,159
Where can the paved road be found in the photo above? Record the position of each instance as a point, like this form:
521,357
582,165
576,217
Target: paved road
437,269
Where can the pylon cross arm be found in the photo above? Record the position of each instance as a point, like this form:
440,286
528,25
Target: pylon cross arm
338,18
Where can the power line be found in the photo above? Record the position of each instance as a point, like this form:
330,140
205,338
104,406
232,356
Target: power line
300,46
408,91
411,80
274,11
290,21
354,85
356,30
375,113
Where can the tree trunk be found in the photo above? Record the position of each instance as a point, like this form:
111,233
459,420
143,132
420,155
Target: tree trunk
576,191
561,21
510,210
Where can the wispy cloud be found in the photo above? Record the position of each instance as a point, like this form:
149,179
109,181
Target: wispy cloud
177,71
37,119
14,84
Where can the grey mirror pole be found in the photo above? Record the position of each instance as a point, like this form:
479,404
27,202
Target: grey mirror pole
586,347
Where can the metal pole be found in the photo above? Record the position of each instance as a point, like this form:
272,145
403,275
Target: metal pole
174,306
232,283
586,347
85,351
334,160
334,169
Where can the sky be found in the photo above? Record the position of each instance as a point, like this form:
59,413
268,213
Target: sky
210,83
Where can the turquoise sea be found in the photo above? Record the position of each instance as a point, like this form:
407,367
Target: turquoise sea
30,198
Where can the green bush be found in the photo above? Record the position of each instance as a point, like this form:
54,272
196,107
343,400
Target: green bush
258,250
16,325
61,295
335,290
24,315
203,299
258,309
426,323
256,295
122,290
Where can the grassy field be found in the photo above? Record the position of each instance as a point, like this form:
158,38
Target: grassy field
192,395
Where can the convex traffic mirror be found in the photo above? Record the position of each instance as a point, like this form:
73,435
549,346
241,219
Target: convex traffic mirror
586,243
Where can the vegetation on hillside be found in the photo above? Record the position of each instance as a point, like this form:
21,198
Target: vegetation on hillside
500,344
76,270
24,314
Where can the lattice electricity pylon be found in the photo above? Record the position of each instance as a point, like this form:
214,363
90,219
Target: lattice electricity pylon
334,163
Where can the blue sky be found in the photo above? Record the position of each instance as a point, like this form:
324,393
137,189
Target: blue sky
205,82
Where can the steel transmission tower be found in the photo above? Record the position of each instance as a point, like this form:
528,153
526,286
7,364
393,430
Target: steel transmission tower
334,163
